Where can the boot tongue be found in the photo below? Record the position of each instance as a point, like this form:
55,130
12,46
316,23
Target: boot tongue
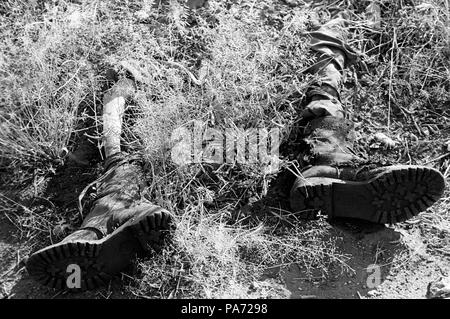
331,140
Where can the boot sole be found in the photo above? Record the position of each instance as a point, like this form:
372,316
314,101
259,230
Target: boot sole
391,197
99,260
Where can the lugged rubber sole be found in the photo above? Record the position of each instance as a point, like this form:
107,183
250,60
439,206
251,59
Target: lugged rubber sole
99,260
393,196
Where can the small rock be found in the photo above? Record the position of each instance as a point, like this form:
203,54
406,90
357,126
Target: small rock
384,139
142,15
196,4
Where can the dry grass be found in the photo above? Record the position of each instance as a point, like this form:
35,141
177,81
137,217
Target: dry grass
210,258
46,76
406,96
241,67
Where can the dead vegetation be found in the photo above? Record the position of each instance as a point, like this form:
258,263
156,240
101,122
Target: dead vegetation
231,64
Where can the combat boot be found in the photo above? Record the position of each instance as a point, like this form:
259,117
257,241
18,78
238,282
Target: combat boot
122,224
340,184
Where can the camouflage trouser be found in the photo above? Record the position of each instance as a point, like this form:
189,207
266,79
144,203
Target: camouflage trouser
333,55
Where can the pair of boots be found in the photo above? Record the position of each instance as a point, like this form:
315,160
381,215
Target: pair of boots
123,224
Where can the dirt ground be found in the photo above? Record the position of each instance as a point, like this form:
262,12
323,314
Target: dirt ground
406,267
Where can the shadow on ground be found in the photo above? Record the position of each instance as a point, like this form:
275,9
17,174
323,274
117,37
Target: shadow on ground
371,249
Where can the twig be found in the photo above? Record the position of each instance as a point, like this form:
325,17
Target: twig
437,158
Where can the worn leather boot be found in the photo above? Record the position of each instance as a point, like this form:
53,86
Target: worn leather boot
342,185
120,225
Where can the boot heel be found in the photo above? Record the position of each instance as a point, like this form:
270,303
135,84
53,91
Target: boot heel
311,196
